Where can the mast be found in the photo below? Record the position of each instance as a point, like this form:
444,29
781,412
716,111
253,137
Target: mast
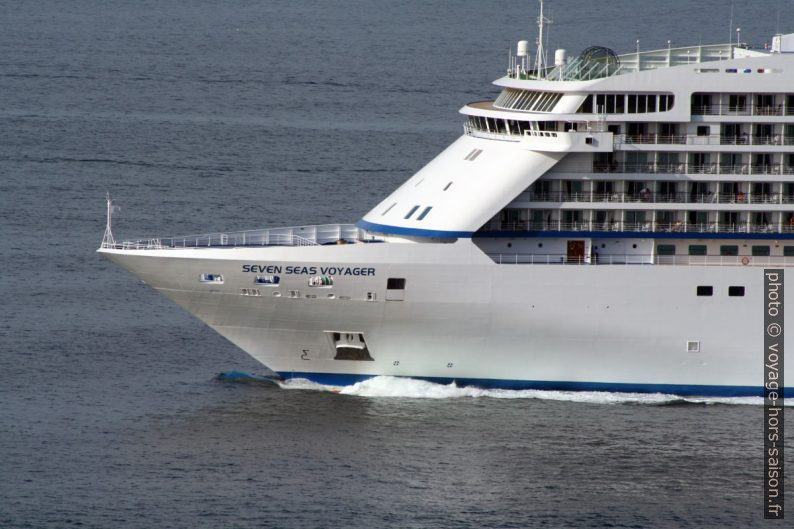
107,239
540,59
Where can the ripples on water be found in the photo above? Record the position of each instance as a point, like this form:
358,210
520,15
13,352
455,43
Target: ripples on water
200,116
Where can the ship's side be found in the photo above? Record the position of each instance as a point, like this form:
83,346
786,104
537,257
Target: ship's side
602,225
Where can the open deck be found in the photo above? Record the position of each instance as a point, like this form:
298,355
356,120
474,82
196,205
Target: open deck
290,236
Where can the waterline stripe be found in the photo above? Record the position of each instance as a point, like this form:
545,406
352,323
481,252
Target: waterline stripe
685,390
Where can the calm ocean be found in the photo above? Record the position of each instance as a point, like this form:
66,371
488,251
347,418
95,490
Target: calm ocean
203,116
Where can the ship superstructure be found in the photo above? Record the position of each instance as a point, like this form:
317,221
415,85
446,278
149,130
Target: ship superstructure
604,223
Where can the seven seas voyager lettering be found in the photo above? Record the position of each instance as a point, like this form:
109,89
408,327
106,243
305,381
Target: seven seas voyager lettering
309,270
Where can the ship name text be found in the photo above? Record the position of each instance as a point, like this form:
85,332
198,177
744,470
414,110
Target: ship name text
308,270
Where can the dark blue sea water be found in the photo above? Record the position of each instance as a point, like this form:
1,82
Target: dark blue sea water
206,116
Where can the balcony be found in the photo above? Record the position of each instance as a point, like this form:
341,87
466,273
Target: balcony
639,227
694,139
640,259
650,197
683,168
743,110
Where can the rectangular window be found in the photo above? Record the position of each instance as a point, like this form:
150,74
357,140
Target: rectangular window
703,290
424,213
632,100
788,251
665,249
413,210
729,249
736,291
395,283
697,249
761,251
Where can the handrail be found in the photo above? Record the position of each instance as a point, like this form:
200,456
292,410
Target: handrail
640,259
657,197
644,227
288,236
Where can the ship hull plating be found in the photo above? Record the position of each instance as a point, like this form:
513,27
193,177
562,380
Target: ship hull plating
563,327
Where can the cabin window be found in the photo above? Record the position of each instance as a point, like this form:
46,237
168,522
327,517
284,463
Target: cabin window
736,291
211,278
697,249
665,249
760,251
704,290
729,250
788,251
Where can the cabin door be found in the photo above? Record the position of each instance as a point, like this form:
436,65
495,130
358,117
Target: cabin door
575,252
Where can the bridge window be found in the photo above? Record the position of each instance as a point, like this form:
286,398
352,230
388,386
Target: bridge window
736,291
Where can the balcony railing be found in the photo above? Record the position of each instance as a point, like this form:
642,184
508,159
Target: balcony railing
681,168
743,110
694,139
639,227
632,259
664,198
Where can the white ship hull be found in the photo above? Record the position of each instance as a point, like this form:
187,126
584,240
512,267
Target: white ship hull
584,327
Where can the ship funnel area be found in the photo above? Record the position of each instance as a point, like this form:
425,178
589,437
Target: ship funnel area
460,190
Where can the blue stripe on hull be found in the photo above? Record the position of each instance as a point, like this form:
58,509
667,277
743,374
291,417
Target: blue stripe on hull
688,390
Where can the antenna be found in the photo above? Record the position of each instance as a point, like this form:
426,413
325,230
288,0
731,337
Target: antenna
777,26
107,239
730,30
540,59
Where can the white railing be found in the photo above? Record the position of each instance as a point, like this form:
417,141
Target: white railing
289,236
644,226
637,259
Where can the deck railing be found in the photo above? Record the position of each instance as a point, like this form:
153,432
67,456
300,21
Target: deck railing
290,236
640,227
642,259
645,196
694,139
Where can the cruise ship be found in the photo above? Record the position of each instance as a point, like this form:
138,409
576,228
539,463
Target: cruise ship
604,224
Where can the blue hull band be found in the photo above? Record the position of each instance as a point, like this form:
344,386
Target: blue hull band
414,232
339,379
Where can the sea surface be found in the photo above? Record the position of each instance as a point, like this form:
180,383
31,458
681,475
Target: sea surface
202,116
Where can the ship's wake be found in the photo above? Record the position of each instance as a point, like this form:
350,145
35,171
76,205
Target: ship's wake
391,387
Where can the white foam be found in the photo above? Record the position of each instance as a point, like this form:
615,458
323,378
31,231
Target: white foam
391,387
